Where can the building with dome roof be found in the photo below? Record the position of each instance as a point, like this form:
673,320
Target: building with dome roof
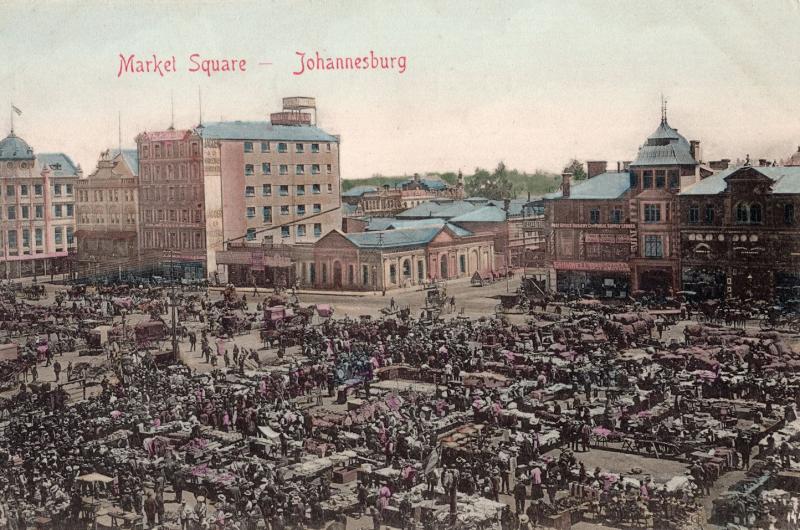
37,210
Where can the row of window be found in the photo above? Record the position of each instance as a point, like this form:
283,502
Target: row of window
283,190
167,171
105,195
173,240
172,193
266,211
38,234
614,216
283,147
113,218
181,149
300,231
24,190
173,216
283,169
59,210
657,179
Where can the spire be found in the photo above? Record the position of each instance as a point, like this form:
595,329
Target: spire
200,106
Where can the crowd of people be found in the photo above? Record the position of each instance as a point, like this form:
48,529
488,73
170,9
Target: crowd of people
485,423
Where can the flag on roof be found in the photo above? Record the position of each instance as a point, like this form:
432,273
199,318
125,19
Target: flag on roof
15,109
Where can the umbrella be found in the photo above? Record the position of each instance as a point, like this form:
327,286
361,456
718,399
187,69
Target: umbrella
95,477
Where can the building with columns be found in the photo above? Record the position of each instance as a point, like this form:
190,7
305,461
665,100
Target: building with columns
37,210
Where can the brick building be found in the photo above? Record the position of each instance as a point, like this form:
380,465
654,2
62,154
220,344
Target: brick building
37,210
172,216
740,234
107,216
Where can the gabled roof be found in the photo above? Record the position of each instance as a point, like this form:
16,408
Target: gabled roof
609,185
443,209
358,191
487,214
263,130
60,164
786,180
131,158
379,223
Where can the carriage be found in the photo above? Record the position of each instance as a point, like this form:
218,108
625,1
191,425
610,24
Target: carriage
149,332
510,303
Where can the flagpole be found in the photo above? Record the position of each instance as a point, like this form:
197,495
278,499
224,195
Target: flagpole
11,110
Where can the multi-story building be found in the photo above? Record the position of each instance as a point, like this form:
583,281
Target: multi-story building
107,216
267,184
172,212
37,210
740,234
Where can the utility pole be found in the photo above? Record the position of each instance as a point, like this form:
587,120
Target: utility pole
171,255
383,267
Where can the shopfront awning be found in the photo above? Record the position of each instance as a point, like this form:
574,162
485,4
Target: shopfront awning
591,266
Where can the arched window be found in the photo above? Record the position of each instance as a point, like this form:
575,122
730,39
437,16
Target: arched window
742,213
755,214
407,269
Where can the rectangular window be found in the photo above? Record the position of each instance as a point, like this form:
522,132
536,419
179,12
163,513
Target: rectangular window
285,210
328,147
298,148
594,216
315,148
653,247
251,234
329,169
248,147
301,190
59,239
317,229
37,190
10,190
57,190
647,179
39,212
283,169
12,238
652,213
315,169
282,147
694,214
661,179
25,212
317,208
265,147
26,237
69,189
251,211
284,231
299,169
266,214
12,213
330,188
39,237
674,179
709,214
249,191
23,190
248,169
284,190
788,214
301,230
266,168
616,216
70,235
70,210
315,189
301,209
266,190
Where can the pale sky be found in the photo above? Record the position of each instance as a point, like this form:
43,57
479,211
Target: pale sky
529,83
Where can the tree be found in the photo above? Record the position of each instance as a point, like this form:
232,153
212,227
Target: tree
575,167
494,186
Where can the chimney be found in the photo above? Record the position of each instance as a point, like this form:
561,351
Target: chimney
694,148
596,167
416,177
566,178
626,165
619,166
762,162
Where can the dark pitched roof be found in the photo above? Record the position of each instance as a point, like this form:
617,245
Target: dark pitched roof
610,185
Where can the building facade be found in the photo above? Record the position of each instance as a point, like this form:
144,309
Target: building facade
107,216
172,216
740,234
37,210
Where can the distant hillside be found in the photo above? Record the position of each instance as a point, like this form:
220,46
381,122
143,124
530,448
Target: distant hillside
537,183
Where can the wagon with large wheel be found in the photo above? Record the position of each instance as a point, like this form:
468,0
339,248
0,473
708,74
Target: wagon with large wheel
509,303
